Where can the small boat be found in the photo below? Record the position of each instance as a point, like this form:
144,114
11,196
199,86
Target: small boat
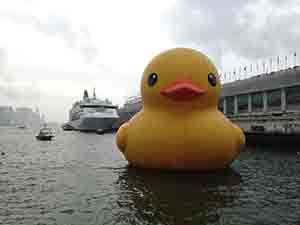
100,131
45,134
67,127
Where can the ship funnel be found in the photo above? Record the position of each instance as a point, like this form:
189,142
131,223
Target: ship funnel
94,94
85,94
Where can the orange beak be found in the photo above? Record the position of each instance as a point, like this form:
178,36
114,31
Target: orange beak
182,90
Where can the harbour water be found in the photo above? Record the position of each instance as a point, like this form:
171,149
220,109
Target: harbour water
81,178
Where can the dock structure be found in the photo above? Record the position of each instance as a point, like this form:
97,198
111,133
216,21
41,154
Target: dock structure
266,105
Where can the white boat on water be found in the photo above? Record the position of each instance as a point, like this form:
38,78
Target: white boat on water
45,134
92,114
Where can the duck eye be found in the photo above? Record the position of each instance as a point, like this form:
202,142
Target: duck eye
212,79
152,79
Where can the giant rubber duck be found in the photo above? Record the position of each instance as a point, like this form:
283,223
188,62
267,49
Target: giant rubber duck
179,126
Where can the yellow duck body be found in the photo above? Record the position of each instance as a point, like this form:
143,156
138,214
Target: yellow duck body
179,126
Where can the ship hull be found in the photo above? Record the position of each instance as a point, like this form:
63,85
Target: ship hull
87,124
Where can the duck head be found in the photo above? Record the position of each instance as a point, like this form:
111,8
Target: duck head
180,78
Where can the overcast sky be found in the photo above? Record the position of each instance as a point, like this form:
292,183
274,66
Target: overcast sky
50,51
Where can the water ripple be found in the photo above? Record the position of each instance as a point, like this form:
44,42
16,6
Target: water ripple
83,179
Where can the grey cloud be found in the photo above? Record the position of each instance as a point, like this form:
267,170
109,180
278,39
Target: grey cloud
77,38
4,75
19,93
51,74
286,3
230,26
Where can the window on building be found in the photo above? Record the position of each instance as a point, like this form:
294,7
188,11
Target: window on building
257,102
230,105
274,100
242,103
293,98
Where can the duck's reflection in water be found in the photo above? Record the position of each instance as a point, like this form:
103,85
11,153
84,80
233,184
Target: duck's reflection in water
155,197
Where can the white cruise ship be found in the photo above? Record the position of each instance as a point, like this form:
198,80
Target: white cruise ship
92,114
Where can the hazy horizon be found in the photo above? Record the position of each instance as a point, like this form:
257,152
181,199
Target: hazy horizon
51,51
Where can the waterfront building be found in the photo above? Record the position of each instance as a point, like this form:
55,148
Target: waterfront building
267,102
6,115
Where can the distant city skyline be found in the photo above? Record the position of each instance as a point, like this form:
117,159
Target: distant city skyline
51,51
20,116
